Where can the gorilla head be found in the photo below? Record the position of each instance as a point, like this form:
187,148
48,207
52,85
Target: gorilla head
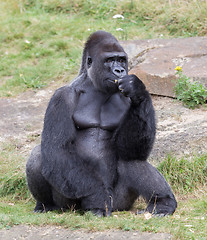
104,60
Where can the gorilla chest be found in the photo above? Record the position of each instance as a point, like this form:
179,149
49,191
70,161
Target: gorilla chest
95,110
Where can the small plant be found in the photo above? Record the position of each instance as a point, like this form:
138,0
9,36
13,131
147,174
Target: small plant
192,94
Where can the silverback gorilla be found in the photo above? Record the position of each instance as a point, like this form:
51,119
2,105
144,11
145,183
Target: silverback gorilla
98,133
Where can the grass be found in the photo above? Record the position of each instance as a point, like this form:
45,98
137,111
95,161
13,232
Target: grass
189,221
41,41
187,178
185,175
12,171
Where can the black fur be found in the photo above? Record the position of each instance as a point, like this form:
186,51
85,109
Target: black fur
98,133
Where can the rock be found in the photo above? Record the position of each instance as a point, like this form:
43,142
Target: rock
154,61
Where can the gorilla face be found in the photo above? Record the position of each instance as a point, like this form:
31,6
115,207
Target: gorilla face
106,63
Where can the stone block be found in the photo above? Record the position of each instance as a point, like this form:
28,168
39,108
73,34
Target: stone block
154,61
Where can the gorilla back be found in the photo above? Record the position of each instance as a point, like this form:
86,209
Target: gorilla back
98,133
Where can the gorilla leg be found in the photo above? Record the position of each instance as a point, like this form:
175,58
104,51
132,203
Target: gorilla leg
142,179
38,186
48,199
98,203
124,196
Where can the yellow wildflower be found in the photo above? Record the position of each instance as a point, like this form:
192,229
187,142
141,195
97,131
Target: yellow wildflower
179,68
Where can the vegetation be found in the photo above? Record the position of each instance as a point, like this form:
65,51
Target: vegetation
188,179
185,175
41,42
189,221
192,94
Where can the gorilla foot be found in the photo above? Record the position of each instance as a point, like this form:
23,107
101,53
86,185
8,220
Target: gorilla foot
97,212
139,212
162,206
42,208
153,214
101,213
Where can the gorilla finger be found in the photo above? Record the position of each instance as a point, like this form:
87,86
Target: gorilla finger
119,81
124,86
121,88
119,84
125,92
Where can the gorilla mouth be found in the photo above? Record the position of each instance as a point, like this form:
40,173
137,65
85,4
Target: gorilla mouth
110,85
112,81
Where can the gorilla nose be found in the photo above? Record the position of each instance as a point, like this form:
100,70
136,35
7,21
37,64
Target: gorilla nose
119,72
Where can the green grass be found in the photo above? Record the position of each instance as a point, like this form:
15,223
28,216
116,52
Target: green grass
187,177
41,41
12,171
184,175
188,222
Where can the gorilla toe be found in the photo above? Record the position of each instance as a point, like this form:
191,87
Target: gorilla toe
101,213
162,207
41,207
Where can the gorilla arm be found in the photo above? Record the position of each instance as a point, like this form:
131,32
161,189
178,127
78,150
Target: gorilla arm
135,136
60,166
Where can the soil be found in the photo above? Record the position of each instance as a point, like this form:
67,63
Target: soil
53,233
180,131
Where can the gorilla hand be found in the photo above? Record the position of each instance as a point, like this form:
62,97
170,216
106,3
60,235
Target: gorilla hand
131,86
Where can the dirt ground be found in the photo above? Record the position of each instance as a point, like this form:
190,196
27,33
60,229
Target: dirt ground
53,233
179,131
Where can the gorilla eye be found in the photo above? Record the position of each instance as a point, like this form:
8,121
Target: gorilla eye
89,61
109,60
122,60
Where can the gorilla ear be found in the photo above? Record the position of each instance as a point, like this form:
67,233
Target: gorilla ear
89,62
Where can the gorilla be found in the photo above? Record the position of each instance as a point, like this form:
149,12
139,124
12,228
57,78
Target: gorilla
98,133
